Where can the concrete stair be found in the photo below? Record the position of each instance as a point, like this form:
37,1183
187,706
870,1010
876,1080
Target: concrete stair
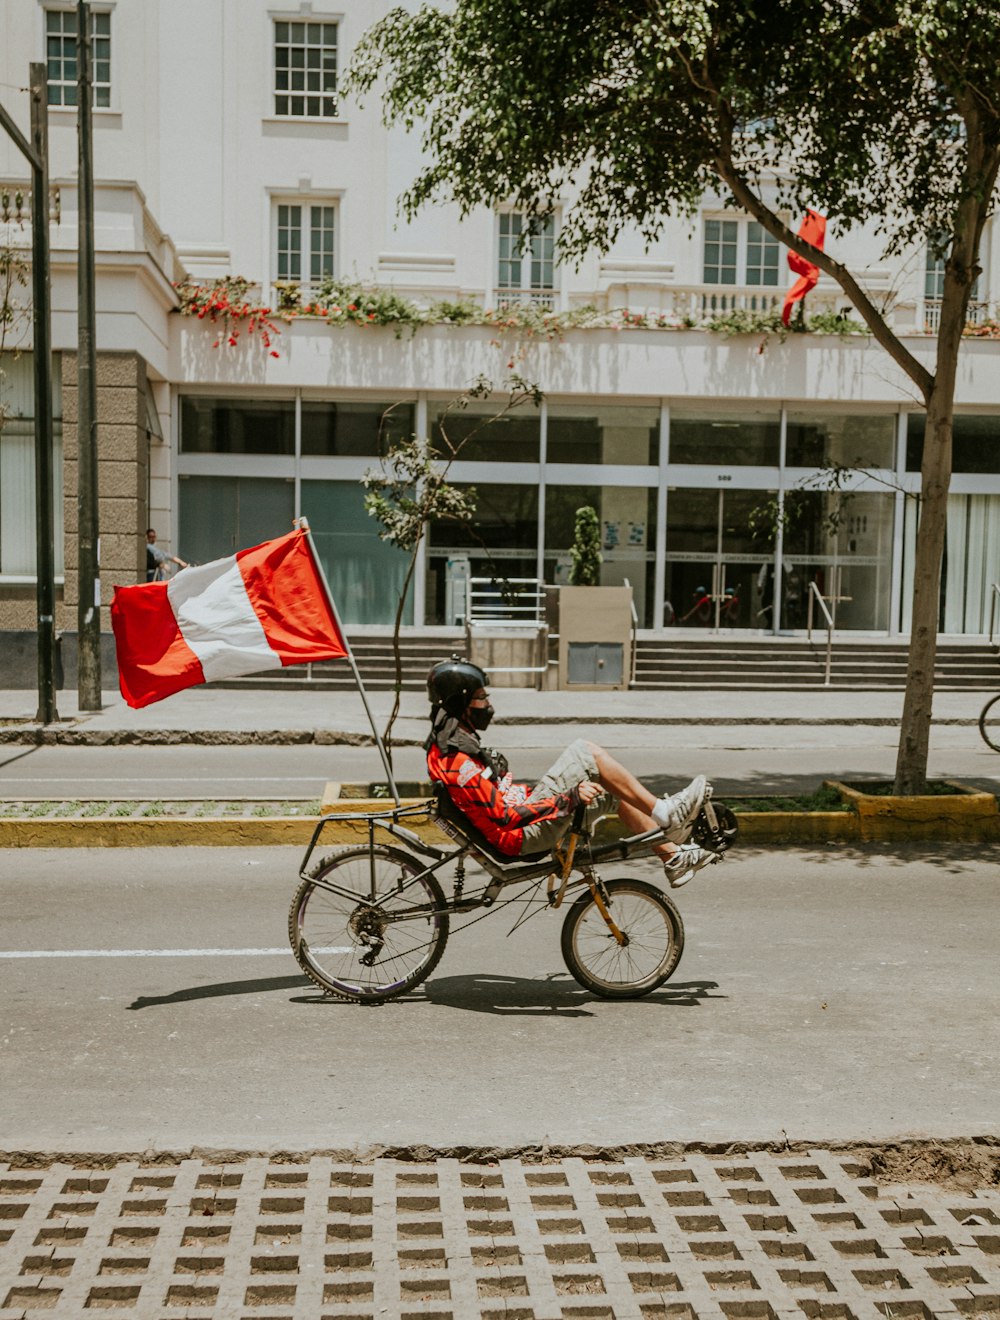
761,663
664,662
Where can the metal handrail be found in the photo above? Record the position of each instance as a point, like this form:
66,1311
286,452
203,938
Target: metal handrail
480,607
994,593
814,593
634,658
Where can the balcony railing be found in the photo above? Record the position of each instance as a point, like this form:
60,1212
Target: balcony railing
544,298
978,313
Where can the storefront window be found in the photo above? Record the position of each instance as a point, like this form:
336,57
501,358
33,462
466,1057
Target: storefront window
220,515
627,517
728,440
353,429
975,443
365,574
843,543
603,435
817,440
237,426
501,541
478,434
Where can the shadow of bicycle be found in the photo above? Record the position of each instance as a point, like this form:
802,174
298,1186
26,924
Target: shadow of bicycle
557,995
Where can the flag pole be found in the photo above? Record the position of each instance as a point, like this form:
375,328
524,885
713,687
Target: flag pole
303,525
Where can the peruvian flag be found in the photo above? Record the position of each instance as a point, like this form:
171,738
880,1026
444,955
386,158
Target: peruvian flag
262,608
813,230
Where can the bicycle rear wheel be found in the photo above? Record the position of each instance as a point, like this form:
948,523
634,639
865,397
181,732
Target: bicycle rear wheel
356,947
989,723
654,934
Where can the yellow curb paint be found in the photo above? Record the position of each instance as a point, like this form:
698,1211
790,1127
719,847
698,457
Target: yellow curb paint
968,815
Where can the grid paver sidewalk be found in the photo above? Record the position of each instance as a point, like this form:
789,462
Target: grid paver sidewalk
752,1235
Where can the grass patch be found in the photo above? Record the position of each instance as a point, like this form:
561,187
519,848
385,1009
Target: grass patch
123,809
96,809
823,799
884,788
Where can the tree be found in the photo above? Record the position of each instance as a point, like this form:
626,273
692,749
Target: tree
411,490
585,551
870,111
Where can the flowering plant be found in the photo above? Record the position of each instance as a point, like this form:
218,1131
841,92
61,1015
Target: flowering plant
228,301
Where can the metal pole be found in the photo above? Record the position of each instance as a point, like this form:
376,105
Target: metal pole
44,528
88,610
304,526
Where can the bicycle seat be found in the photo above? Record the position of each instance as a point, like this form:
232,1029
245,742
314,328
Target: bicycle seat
446,811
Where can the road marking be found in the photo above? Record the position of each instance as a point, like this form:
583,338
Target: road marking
157,953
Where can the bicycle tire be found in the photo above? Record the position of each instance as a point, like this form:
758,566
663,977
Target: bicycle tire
655,933
989,723
330,933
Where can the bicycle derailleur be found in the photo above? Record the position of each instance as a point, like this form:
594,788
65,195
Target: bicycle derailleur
367,928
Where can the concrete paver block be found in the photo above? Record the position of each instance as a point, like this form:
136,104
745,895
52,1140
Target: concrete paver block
749,1236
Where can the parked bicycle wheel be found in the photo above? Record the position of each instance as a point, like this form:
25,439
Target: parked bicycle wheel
989,723
359,948
654,934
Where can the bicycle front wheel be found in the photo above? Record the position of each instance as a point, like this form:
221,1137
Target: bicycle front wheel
989,723
654,940
357,934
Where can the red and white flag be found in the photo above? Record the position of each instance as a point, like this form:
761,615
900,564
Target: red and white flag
813,230
259,609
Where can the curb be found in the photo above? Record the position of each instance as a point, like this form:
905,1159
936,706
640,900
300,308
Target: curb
757,829
40,735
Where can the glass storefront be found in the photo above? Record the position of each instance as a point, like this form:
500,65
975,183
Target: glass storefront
720,560
843,543
738,555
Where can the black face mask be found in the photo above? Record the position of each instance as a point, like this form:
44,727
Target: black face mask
479,717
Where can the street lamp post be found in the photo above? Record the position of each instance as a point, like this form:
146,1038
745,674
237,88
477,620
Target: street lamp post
88,631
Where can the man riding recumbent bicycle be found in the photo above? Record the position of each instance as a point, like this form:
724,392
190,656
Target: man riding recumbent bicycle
369,922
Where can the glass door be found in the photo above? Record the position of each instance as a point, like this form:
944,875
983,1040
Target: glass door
719,575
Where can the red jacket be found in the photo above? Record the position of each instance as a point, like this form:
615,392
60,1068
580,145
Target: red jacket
500,810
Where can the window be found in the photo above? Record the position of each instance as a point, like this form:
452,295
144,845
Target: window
17,468
526,265
305,70
237,426
935,259
739,252
60,52
304,242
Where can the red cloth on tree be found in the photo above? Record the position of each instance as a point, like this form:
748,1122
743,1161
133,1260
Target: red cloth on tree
813,230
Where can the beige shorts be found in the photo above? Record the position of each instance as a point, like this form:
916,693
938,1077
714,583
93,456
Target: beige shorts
573,766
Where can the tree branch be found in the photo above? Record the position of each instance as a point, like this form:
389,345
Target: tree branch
748,199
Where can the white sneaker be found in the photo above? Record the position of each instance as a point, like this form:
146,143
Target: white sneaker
675,814
682,866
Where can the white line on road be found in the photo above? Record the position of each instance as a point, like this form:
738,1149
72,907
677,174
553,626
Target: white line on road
155,953
173,779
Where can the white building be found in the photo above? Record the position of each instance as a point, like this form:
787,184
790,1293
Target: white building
221,150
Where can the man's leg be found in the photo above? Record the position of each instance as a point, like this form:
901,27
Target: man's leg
639,811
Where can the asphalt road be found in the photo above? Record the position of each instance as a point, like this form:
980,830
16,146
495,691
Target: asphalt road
823,995
748,759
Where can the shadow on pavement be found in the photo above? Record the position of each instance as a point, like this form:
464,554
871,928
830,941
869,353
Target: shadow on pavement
521,996
953,858
258,986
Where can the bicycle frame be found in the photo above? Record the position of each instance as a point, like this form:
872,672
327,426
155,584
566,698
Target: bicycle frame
558,866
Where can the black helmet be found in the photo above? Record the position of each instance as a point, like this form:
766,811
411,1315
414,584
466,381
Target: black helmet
453,682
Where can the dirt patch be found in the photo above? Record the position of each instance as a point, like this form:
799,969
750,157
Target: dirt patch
965,1166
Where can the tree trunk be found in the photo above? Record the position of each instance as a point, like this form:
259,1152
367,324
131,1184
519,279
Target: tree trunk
935,478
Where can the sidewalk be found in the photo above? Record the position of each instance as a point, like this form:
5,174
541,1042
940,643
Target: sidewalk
242,715
756,1234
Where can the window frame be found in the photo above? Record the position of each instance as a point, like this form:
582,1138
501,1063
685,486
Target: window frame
545,296
69,11
307,201
287,116
743,243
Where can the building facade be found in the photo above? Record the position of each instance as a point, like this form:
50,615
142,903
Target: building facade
223,150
